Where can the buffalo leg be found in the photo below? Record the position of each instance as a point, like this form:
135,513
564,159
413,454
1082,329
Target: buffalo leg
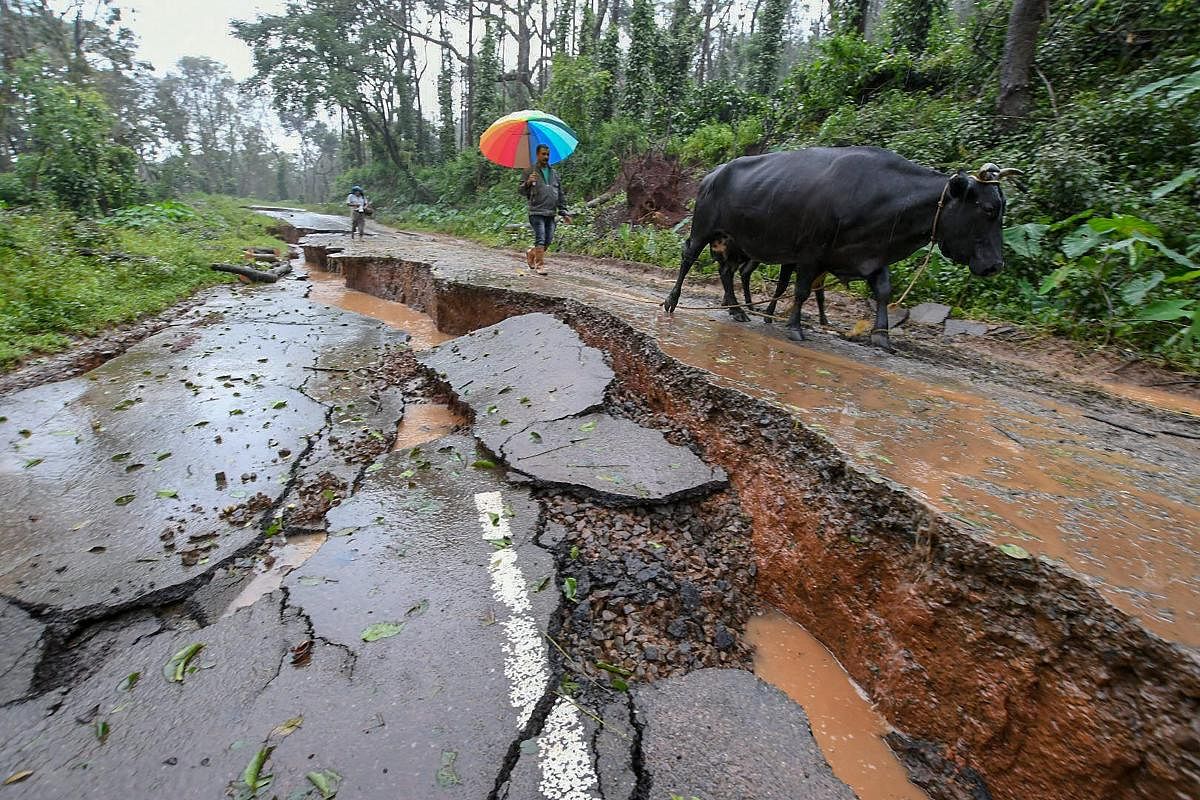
881,289
691,251
726,273
821,305
785,277
804,281
748,267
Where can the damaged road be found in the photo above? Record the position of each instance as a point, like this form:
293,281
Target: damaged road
220,581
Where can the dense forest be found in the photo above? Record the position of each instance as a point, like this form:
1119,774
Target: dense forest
1097,101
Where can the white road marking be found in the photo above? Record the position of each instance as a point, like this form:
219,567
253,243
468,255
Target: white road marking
563,756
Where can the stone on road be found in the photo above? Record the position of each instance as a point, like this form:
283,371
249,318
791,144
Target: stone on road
531,381
722,734
929,313
959,327
530,368
617,460
20,651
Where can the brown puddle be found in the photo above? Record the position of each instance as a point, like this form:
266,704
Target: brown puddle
329,289
846,726
294,552
424,422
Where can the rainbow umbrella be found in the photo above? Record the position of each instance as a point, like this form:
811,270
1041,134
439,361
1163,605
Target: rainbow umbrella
512,140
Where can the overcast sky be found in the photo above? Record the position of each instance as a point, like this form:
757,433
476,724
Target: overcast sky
171,29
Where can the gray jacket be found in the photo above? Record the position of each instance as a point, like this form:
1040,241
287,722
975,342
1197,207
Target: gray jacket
544,198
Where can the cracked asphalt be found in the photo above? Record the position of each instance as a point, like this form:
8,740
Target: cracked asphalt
409,656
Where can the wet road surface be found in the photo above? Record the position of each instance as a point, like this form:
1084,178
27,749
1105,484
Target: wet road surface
159,637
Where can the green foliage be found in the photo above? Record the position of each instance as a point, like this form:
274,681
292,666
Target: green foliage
576,91
717,143
644,44
486,95
62,274
910,21
767,46
69,153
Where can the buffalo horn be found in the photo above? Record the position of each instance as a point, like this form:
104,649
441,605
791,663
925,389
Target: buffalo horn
1009,172
987,172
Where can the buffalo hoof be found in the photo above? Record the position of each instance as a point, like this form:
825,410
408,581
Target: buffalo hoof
739,315
767,319
796,334
670,303
882,341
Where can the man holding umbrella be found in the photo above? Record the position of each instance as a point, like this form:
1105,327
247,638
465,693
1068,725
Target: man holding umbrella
542,187
531,141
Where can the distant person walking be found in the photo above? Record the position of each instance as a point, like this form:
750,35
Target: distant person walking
541,186
359,206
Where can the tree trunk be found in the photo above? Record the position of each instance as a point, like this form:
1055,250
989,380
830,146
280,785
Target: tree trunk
1020,46
705,43
469,89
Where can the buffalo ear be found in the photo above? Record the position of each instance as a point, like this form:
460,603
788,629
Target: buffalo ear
959,185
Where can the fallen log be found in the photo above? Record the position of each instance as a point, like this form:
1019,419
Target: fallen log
263,276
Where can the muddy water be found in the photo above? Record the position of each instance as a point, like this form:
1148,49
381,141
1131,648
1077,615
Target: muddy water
424,422
271,571
846,726
329,289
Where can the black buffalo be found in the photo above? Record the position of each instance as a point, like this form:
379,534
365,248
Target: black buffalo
848,211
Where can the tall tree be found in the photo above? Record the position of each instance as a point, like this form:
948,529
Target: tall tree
608,59
343,54
767,45
911,21
643,44
486,101
1020,47
850,16
447,135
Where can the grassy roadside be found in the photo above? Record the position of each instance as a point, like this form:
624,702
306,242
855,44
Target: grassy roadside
62,275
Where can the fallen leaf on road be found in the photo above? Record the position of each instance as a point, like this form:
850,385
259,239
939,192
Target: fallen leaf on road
570,586
374,468
165,493
287,728
326,781
130,681
124,499
588,426
102,731
381,630
162,456
252,776
120,456
33,462
17,777
446,776
542,584
484,463
860,327
279,404
302,653
1014,550
418,609
235,412
177,668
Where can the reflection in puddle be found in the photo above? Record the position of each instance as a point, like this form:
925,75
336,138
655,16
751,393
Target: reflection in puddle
845,725
329,289
424,422
272,570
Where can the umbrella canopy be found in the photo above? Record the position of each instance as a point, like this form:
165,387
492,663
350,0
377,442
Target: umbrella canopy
512,140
